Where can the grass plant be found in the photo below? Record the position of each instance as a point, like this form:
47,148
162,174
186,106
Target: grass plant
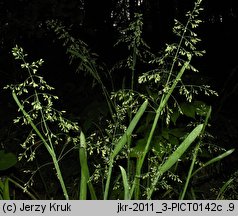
115,156
40,114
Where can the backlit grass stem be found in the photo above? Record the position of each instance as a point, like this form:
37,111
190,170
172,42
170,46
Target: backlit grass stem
173,158
122,142
163,103
195,155
46,144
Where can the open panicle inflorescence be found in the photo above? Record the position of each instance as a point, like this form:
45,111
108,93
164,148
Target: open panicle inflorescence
36,103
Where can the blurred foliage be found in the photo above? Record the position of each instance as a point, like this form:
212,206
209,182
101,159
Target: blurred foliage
22,19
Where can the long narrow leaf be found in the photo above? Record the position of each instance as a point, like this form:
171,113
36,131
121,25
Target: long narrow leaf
224,188
6,192
83,163
1,190
163,103
122,142
195,155
173,158
130,129
216,159
84,171
4,189
125,183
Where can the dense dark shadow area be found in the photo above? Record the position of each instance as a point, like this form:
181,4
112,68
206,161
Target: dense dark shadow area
220,38
98,24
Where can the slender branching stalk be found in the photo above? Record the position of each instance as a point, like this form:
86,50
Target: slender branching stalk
48,146
196,149
163,102
121,143
40,115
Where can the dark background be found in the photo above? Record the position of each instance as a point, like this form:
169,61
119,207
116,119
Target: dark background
97,22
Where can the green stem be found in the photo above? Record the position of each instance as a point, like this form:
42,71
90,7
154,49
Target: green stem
121,143
179,45
130,114
195,156
108,180
47,146
190,171
163,103
22,188
59,176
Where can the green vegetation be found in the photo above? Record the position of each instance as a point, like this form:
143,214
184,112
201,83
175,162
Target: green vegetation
153,140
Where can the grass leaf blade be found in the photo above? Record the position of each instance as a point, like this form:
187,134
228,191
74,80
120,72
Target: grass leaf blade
130,129
84,171
173,158
216,159
125,183
122,142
